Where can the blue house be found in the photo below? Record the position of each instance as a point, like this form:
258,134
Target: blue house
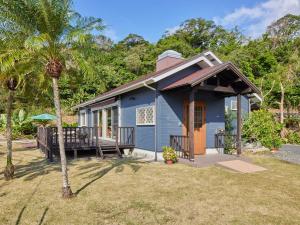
182,103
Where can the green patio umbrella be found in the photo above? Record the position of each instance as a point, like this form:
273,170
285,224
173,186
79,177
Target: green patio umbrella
43,118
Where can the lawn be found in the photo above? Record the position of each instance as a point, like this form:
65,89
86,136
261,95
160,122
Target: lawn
135,192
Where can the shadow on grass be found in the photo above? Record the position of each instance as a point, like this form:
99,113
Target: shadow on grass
27,202
118,164
43,216
35,168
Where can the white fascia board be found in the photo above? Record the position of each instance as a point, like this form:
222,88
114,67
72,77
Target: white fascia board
214,56
258,97
164,75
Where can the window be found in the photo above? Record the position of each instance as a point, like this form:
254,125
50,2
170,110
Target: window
233,105
198,116
83,119
145,116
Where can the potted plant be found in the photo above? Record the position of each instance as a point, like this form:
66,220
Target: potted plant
169,155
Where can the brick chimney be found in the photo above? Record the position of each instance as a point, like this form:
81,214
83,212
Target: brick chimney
168,59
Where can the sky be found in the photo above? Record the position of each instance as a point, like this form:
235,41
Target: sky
152,18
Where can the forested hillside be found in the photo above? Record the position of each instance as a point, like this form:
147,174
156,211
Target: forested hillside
271,61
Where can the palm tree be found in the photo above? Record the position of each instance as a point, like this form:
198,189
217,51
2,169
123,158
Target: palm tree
12,70
55,35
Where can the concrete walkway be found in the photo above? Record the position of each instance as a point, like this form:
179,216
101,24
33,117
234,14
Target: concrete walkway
210,160
241,166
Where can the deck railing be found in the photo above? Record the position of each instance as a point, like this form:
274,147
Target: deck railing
126,136
180,144
225,140
81,138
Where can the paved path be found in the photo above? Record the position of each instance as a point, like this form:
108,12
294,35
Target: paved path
290,153
210,160
241,166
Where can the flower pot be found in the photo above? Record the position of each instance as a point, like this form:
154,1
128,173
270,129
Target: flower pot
169,162
274,149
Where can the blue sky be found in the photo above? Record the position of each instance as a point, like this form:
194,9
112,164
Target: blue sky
153,17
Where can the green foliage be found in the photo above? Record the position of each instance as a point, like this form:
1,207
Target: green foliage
292,138
169,154
261,126
229,140
70,124
21,124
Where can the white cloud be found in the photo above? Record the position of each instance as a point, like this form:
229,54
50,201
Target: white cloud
253,21
172,30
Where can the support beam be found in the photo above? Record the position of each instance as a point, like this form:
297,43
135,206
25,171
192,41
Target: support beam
217,89
239,125
191,122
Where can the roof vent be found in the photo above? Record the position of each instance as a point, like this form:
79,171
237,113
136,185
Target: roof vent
167,59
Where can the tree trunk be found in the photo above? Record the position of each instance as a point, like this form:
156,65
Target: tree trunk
66,189
282,133
9,169
282,104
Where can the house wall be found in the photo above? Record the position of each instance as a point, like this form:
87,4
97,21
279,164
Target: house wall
145,135
170,115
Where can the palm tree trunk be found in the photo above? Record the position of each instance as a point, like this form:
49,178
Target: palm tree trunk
9,169
66,189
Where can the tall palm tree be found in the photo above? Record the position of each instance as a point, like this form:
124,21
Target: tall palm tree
55,35
13,67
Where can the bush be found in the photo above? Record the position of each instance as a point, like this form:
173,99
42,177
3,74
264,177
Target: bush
169,154
21,124
293,138
261,126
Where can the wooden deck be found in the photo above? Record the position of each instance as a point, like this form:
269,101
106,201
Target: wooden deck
85,138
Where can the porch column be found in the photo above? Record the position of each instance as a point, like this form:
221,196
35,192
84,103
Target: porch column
191,122
239,125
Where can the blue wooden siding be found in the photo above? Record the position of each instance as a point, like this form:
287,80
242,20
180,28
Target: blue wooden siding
145,135
170,115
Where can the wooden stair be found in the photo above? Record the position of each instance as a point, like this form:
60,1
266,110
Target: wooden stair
105,150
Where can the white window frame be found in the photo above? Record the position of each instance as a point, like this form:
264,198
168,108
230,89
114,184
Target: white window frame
145,124
232,105
81,120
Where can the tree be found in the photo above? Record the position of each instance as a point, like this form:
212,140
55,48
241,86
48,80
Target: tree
285,29
54,36
13,68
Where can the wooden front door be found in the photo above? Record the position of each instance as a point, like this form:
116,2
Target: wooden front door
199,126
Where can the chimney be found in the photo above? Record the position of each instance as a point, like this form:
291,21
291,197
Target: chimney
167,59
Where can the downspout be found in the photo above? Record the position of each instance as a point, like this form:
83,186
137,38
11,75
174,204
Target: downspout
155,128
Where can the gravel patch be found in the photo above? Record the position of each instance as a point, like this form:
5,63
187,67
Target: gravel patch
289,153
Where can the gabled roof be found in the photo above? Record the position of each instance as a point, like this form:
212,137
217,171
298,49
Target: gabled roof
210,64
152,77
201,75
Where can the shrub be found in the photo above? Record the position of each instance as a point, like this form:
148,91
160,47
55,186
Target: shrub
293,138
169,154
261,126
21,124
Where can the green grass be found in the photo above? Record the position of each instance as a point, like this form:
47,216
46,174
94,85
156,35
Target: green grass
135,192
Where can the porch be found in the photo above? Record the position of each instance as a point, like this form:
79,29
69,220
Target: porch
194,90
85,139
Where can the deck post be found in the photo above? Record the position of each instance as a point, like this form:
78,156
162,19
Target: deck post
97,141
191,123
239,125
